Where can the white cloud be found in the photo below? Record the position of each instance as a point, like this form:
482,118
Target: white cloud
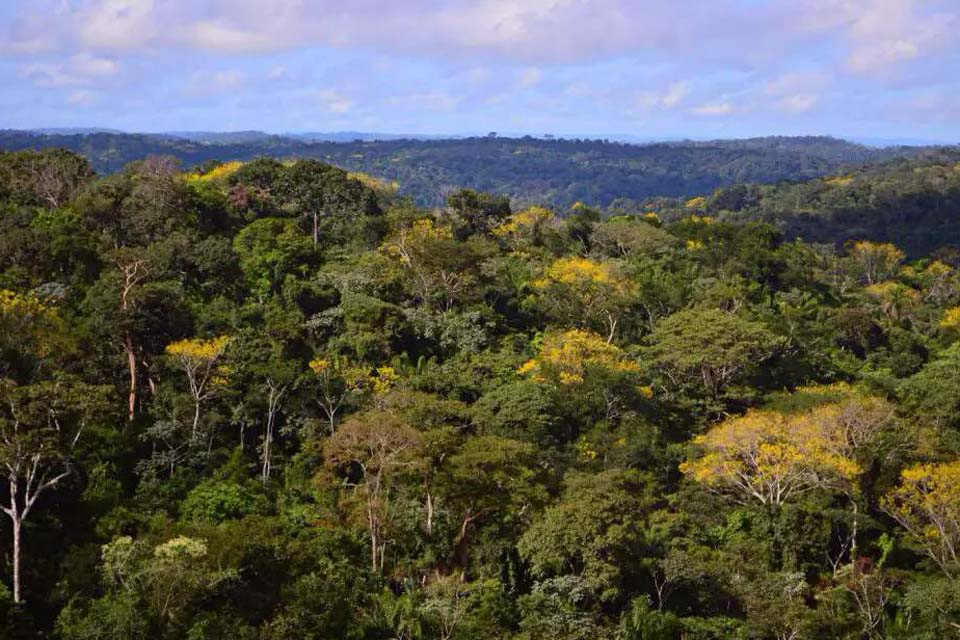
118,24
81,97
714,109
669,98
279,72
217,36
530,77
794,82
882,34
479,75
80,69
875,33
205,83
881,55
91,66
796,91
734,57
433,101
333,101
798,103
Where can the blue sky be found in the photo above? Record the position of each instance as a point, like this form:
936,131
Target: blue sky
649,68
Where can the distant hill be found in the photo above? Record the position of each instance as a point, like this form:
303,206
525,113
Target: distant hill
352,136
914,203
217,137
551,171
69,131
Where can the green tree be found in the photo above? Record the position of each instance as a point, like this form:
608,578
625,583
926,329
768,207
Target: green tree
709,349
595,531
40,424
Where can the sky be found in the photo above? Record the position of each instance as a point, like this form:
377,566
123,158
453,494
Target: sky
647,68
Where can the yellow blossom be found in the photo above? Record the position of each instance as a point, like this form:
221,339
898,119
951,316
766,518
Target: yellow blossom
220,172
570,357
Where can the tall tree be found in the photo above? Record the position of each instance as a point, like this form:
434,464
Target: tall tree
379,444
40,425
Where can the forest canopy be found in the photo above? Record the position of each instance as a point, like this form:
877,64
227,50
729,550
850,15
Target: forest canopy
277,399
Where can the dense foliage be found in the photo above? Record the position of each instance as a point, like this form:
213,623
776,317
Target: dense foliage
528,170
275,400
910,202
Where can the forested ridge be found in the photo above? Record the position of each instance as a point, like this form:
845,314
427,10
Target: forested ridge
558,172
912,202
279,400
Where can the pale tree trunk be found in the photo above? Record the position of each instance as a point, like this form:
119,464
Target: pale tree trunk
855,532
265,460
133,273
611,327
429,526
374,540
330,406
132,366
196,418
273,408
16,561
36,482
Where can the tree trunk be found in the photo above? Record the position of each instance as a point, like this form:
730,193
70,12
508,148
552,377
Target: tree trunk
611,327
196,419
429,526
316,228
16,557
374,540
855,532
132,366
273,408
462,544
267,440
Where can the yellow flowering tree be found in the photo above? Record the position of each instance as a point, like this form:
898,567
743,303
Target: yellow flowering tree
927,505
29,328
817,438
339,380
585,292
570,357
939,283
877,261
381,186
201,360
581,360
770,457
438,268
526,227
950,322
217,174
894,299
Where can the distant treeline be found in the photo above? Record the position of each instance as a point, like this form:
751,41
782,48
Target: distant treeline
556,172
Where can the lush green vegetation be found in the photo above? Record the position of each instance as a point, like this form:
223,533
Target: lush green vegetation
528,170
272,400
912,202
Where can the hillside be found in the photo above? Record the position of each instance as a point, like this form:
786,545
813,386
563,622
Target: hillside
528,170
914,203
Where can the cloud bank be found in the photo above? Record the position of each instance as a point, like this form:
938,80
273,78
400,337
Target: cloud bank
570,64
